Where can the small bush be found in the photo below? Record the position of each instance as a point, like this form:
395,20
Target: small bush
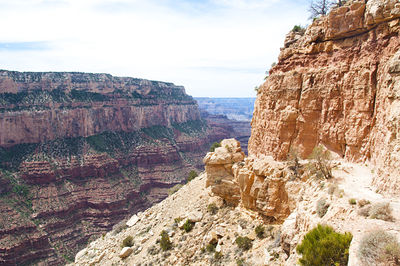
165,243
214,146
323,246
352,201
322,207
298,28
174,189
218,255
211,247
240,262
320,165
188,226
244,242
363,202
260,231
229,149
381,211
212,208
379,247
192,175
127,242
178,220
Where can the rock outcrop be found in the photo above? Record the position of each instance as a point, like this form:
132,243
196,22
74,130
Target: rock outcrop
80,152
260,184
336,84
219,170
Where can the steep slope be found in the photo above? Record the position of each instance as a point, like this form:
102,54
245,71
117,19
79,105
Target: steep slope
79,152
337,84
211,203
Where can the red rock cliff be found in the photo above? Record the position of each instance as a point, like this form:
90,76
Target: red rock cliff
337,84
80,152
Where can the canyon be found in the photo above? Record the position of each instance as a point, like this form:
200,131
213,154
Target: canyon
331,97
234,113
80,152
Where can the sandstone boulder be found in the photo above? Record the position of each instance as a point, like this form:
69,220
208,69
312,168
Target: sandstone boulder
125,252
132,221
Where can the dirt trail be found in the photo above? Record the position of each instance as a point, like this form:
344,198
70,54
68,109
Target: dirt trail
357,184
355,180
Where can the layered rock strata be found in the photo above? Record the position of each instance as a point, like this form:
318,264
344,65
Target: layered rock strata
337,85
262,184
80,152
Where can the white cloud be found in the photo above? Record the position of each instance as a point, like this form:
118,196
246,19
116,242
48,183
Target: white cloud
213,48
246,4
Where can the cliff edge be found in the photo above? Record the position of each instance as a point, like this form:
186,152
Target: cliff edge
337,84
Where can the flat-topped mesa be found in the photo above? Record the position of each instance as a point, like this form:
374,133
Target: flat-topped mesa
42,106
336,84
14,82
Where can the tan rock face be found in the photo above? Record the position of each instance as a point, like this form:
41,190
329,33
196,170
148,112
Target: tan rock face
260,184
336,85
218,166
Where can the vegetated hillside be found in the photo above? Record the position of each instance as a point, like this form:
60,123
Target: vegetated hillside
332,98
240,109
79,152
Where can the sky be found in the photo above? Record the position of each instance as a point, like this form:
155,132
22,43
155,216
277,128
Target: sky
215,48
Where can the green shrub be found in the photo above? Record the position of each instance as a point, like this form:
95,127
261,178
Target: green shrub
212,208
352,201
260,231
240,262
188,226
363,202
323,246
298,28
211,247
165,243
218,255
379,247
127,242
322,207
178,220
244,242
214,146
192,175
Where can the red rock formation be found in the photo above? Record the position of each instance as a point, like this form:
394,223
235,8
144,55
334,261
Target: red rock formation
84,151
336,84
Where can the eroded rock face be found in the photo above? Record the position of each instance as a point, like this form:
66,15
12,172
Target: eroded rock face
80,152
218,166
260,184
336,85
